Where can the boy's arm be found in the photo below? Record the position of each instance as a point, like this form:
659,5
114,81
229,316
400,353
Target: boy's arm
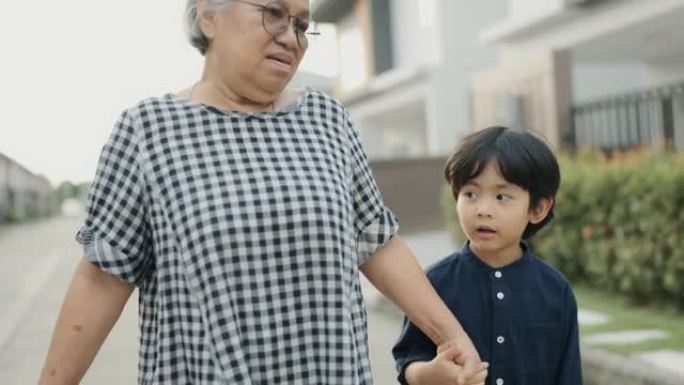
441,370
413,346
419,361
570,368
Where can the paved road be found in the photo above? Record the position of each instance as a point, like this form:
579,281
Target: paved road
36,263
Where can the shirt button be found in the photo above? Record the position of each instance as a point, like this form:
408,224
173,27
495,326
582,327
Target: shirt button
500,339
500,295
498,274
499,381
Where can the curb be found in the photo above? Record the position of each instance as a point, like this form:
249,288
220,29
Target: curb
602,368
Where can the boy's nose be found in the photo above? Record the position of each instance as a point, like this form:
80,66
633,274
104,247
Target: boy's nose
484,211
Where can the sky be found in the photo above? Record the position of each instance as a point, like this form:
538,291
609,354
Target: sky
69,68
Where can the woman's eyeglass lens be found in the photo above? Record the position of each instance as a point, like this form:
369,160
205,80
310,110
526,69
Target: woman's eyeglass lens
276,21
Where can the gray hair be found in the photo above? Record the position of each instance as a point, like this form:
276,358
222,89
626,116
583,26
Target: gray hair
192,26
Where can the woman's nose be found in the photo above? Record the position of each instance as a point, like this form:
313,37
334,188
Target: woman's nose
289,36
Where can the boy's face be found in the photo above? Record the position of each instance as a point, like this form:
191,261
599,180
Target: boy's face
494,214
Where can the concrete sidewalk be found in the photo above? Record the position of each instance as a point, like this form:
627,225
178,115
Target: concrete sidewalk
36,263
35,276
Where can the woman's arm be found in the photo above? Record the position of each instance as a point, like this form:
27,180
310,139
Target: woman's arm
92,305
394,271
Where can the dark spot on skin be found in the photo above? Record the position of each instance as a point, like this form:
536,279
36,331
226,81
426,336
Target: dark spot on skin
53,372
77,328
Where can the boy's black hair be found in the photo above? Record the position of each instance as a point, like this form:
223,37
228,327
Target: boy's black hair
524,160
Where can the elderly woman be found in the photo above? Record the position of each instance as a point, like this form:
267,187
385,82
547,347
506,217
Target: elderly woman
243,212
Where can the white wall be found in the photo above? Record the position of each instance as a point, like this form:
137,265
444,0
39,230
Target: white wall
584,27
597,81
415,32
531,9
444,36
464,55
399,133
353,62
666,73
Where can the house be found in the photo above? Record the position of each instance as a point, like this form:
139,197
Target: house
405,69
599,73
22,193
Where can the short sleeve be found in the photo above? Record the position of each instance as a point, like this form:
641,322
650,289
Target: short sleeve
116,234
374,223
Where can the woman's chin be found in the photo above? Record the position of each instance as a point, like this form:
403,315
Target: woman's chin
276,84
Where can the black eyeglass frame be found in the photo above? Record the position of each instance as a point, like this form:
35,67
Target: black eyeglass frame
297,22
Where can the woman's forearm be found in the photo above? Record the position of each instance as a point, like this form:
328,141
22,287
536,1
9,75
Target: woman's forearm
92,305
395,272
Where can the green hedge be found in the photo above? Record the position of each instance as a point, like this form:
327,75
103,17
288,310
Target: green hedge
619,226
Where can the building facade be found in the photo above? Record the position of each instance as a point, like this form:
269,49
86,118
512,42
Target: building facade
405,68
22,194
597,73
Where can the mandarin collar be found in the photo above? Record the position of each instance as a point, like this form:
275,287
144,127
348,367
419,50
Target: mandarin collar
475,261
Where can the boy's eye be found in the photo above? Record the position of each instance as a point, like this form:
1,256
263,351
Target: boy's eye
468,194
503,197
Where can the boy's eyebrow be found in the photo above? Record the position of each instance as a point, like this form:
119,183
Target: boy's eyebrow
499,186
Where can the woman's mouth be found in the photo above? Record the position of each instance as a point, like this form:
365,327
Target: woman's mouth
281,61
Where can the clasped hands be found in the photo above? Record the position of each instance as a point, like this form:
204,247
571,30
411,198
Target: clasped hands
453,365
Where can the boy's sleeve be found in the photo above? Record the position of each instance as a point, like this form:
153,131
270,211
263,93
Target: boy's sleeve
570,368
413,345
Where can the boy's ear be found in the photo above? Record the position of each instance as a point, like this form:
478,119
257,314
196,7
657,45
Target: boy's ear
541,210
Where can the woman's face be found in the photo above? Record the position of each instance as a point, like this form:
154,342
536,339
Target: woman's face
245,55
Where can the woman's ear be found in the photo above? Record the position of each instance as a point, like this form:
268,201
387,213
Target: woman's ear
541,210
206,20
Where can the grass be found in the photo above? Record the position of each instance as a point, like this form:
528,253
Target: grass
624,316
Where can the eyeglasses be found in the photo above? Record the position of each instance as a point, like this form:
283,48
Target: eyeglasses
276,20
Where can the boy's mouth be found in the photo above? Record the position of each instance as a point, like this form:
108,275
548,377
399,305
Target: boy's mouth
485,230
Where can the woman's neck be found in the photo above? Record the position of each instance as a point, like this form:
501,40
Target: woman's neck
217,93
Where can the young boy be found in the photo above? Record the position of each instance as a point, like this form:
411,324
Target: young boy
520,313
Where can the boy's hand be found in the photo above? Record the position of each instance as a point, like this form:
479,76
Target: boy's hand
443,370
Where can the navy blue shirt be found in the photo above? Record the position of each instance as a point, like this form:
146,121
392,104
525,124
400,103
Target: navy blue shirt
522,319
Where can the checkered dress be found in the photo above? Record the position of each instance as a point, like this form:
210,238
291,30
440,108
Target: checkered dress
244,233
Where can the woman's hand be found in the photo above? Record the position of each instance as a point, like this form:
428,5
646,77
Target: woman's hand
443,369
474,372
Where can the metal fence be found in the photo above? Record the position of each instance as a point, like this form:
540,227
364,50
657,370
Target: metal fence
646,118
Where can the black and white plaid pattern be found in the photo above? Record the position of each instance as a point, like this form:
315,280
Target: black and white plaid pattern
244,233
